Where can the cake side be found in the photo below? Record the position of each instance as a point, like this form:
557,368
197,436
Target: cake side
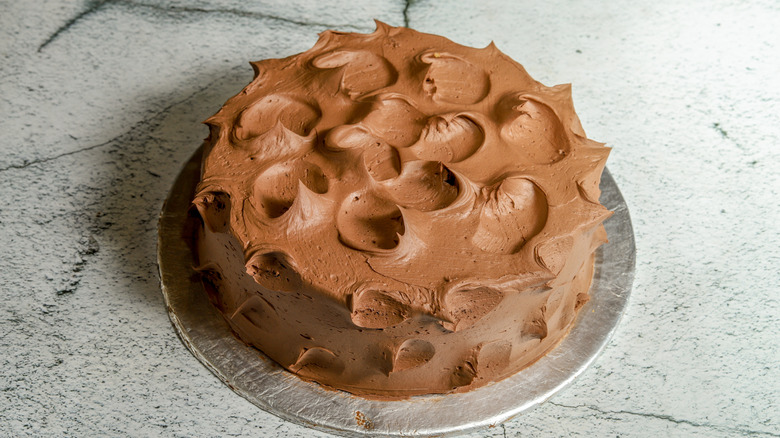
315,337
395,214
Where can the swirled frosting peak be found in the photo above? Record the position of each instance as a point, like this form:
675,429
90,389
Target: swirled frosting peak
415,215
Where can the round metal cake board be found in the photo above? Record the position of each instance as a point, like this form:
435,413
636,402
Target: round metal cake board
252,375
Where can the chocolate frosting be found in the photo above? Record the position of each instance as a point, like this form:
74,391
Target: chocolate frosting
395,214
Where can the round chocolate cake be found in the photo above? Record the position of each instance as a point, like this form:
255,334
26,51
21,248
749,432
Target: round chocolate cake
394,214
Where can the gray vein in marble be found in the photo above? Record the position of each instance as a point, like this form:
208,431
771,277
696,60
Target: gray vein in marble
239,13
141,123
92,7
88,246
669,418
95,6
723,133
27,163
407,5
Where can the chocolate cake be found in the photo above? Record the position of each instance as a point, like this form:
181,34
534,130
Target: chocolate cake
393,214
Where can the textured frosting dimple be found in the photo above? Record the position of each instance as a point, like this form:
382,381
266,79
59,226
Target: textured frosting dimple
515,211
394,214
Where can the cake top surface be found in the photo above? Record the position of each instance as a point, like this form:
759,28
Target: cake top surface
399,173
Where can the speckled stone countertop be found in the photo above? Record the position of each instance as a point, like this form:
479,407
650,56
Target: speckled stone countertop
100,105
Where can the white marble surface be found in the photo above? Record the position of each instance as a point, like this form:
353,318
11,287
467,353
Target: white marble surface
100,104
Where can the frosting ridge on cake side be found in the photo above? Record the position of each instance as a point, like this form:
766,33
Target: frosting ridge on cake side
394,214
